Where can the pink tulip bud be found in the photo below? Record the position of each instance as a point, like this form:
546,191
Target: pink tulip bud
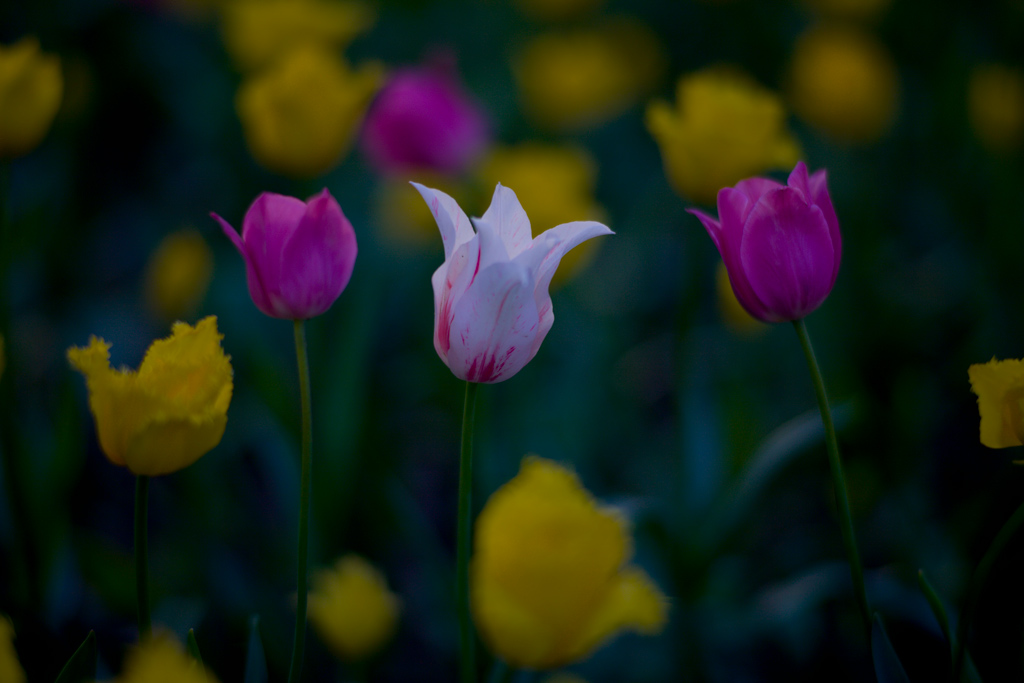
423,120
780,243
298,255
492,309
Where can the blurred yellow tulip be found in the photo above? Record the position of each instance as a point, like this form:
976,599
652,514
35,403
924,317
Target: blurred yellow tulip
10,667
723,128
161,660
549,579
178,274
844,82
555,184
995,100
352,609
999,386
168,414
31,87
301,115
258,32
579,79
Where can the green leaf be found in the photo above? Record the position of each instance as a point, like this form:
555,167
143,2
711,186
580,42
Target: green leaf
888,668
255,660
82,665
193,647
937,608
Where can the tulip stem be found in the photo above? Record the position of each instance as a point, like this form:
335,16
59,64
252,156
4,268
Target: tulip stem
838,479
298,646
978,579
142,554
467,659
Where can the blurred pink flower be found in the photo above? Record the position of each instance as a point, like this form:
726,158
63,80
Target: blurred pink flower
298,255
492,309
780,243
423,120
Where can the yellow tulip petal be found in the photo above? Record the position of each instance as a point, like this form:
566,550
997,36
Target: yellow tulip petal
31,88
178,274
10,667
999,385
161,660
352,609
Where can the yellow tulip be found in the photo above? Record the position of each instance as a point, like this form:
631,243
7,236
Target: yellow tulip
178,274
995,99
352,609
258,32
549,580
999,385
10,667
301,115
844,82
555,184
580,79
723,128
161,660
31,87
169,413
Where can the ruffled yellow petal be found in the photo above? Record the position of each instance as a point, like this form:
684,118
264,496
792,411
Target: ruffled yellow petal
172,411
352,609
10,667
999,385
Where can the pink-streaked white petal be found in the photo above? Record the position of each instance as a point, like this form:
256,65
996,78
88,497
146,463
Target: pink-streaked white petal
451,220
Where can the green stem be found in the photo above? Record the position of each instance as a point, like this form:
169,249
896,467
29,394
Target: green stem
978,580
838,479
298,645
467,659
142,554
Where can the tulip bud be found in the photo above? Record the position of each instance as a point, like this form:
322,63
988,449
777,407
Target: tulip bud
31,88
298,255
423,120
492,309
780,244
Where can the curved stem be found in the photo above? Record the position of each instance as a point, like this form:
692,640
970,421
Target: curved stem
467,658
978,580
298,646
142,554
838,479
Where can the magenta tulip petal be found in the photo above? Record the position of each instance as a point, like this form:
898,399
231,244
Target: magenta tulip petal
780,243
787,254
451,219
494,325
509,220
755,188
491,304
322,249
298,255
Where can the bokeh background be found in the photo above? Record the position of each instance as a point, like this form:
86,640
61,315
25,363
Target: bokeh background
700,425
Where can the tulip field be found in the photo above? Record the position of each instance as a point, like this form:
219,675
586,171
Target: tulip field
532,341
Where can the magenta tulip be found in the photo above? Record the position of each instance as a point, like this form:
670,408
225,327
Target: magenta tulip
780,243
298,255
423,120
492,309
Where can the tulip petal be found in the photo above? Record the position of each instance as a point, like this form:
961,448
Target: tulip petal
733,208
509,221
818,188
799,181
493,325
452,221
713,227
755,188
108,391
633,602
317,260
267,227
166,446
252,276
999,386
450,281
787,255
